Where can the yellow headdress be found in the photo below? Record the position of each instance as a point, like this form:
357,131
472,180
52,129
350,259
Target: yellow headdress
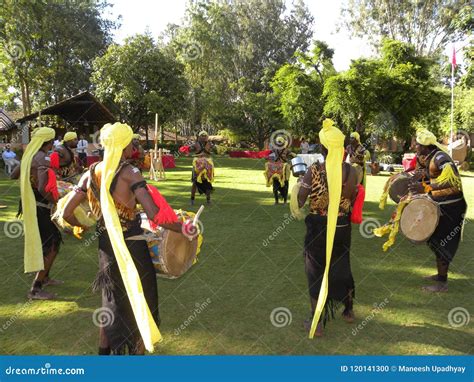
115,138
356,136
69,136
426,138
333,139
203,133
136,136
33,253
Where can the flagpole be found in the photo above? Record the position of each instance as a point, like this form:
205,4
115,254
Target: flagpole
453,64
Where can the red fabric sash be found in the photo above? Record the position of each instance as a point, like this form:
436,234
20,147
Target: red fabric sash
356,216
52,185
166,214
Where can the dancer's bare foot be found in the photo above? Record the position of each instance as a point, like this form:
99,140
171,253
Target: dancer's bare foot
52,282
431,278
349,316
41,295
437,288
319,328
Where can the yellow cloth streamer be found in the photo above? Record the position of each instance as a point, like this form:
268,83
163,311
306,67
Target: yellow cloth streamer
425,137
333,139
356,136
33,252
297,212
386,189
115,138
448,176
392,226
69,136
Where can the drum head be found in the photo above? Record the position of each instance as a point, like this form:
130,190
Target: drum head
399,188
419,219
179,253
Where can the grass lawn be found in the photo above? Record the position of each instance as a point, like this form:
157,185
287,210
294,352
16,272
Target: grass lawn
224,304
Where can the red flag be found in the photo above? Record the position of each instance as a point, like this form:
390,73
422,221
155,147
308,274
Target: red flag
453,58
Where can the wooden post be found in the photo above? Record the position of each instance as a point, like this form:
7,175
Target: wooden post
157,171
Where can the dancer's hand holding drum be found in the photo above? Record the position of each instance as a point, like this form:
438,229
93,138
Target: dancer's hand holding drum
416,187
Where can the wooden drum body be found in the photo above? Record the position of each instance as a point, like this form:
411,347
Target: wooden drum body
399,186
419,219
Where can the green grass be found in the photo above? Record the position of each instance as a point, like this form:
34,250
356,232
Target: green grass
245,281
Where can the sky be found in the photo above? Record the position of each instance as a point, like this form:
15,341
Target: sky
154,15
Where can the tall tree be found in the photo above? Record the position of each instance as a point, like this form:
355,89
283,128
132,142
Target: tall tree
141,80
51,50
428,25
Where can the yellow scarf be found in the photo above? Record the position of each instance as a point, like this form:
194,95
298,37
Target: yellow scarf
33,252
356,136
69,136
115,138
333,139
426,138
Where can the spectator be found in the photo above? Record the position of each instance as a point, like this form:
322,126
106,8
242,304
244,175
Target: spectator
82,150
57,142
304,146
9,157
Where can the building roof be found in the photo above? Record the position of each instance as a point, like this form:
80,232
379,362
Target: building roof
81,110
6,122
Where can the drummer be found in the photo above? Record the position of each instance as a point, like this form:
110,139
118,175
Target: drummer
126,276
203,167
356,154
442,182
38,195
138,154
321,222
69,167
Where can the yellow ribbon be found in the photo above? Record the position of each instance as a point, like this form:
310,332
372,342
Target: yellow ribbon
333,139
33,252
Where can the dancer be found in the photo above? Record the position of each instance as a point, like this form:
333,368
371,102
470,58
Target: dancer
38,196
203,167
63,159
332,189
356,154
126,276
281,154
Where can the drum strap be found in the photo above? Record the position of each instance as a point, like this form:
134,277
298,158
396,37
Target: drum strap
136,237
44,205
449,201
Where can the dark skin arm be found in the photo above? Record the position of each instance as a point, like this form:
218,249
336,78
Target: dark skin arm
417,187
15,174
74,202
132,176
41,166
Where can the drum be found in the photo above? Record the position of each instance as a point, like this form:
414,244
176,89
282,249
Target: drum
172,253
419,219
82,213
64,188
398,187
360,172
298,167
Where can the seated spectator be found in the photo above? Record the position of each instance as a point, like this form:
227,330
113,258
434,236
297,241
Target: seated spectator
9,157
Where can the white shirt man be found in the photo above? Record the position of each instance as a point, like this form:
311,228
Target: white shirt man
304,146
9,157
81,150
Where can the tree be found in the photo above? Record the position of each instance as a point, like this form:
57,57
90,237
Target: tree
427,25
141,80
50,52
386,95
224,42
299,88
